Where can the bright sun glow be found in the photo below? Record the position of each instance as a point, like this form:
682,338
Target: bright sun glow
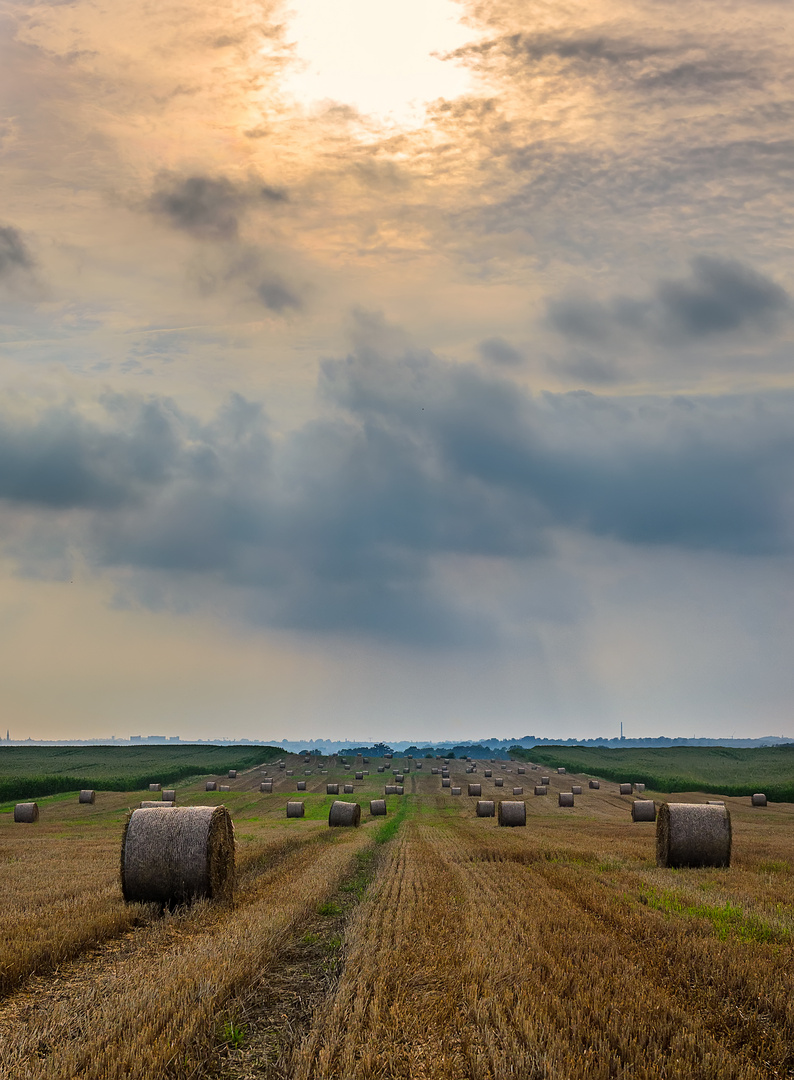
376,55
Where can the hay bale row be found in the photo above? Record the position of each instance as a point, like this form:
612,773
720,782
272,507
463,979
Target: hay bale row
643,810
512,813
26,813
179,854
344,814
693,834
87,795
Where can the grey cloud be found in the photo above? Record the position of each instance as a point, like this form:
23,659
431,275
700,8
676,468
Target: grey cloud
205,206
720,296
14,254
498,351
277,296
342,524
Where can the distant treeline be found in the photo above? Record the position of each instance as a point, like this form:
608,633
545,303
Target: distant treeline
33,772
715,769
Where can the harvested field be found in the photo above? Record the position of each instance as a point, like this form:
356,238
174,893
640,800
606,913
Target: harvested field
425,943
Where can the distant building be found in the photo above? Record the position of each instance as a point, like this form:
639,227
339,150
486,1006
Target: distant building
136,738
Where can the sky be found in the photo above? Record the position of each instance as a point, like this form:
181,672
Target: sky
396,370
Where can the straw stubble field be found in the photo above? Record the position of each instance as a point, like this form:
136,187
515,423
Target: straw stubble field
436,944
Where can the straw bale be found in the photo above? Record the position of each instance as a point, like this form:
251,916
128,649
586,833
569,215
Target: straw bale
343,814
488,773
565,798
639,788
399,778
296,808
445,781
576,789
455,790
266,787
521,770
377,807
625,789
433,772
486,808
400,789
419,764
155,787
381,768
693,834
232,774
348,789
26,813
365,761
359,776
499,781
475,789
643,810
87,795
512,813
175,855
716,802
518,790
545,780
169,795
759,799
541,789
224,787
211,785
147,803
561,771
332,789
390,789
595,784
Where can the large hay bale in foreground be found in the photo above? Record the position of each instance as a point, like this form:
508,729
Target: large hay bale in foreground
486,808
475,789
295,808
643,810
693,834
565,798
26,813
343,814
169,795
541,789
377,807
266,787
155,787
759,799
177,854
211,785
87,795
594,785
232,774
512,813
625,789
332,789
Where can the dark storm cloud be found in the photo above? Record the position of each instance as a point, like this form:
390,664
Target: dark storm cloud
720,296
14,254
340,525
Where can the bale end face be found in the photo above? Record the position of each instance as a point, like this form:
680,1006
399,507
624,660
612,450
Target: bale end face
87,795
643,810
693,834
565,798
295,809
173,855
486,808
26,813
512,813
344,814
377,807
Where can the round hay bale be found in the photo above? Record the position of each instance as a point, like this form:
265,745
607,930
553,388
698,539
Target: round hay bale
399,778
693,834
541,789
343,814
359,776
211,785
433,772
455,790
518,790
348,789
512,813
377,807
419,764
521,770
87,795
266,787
643,810
499,781
295,808
565,798
281,765
486,808
594,785
26,813
232,774
381,768
639,788
390,789
290,772
576,789
148,803
561,771
469,769
365,761
301,785
545,780
224,787
716,802
488,773
625,789
475,789
446,782
155,787
177,855
169,795
332,789
400,789
759,799
347,767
